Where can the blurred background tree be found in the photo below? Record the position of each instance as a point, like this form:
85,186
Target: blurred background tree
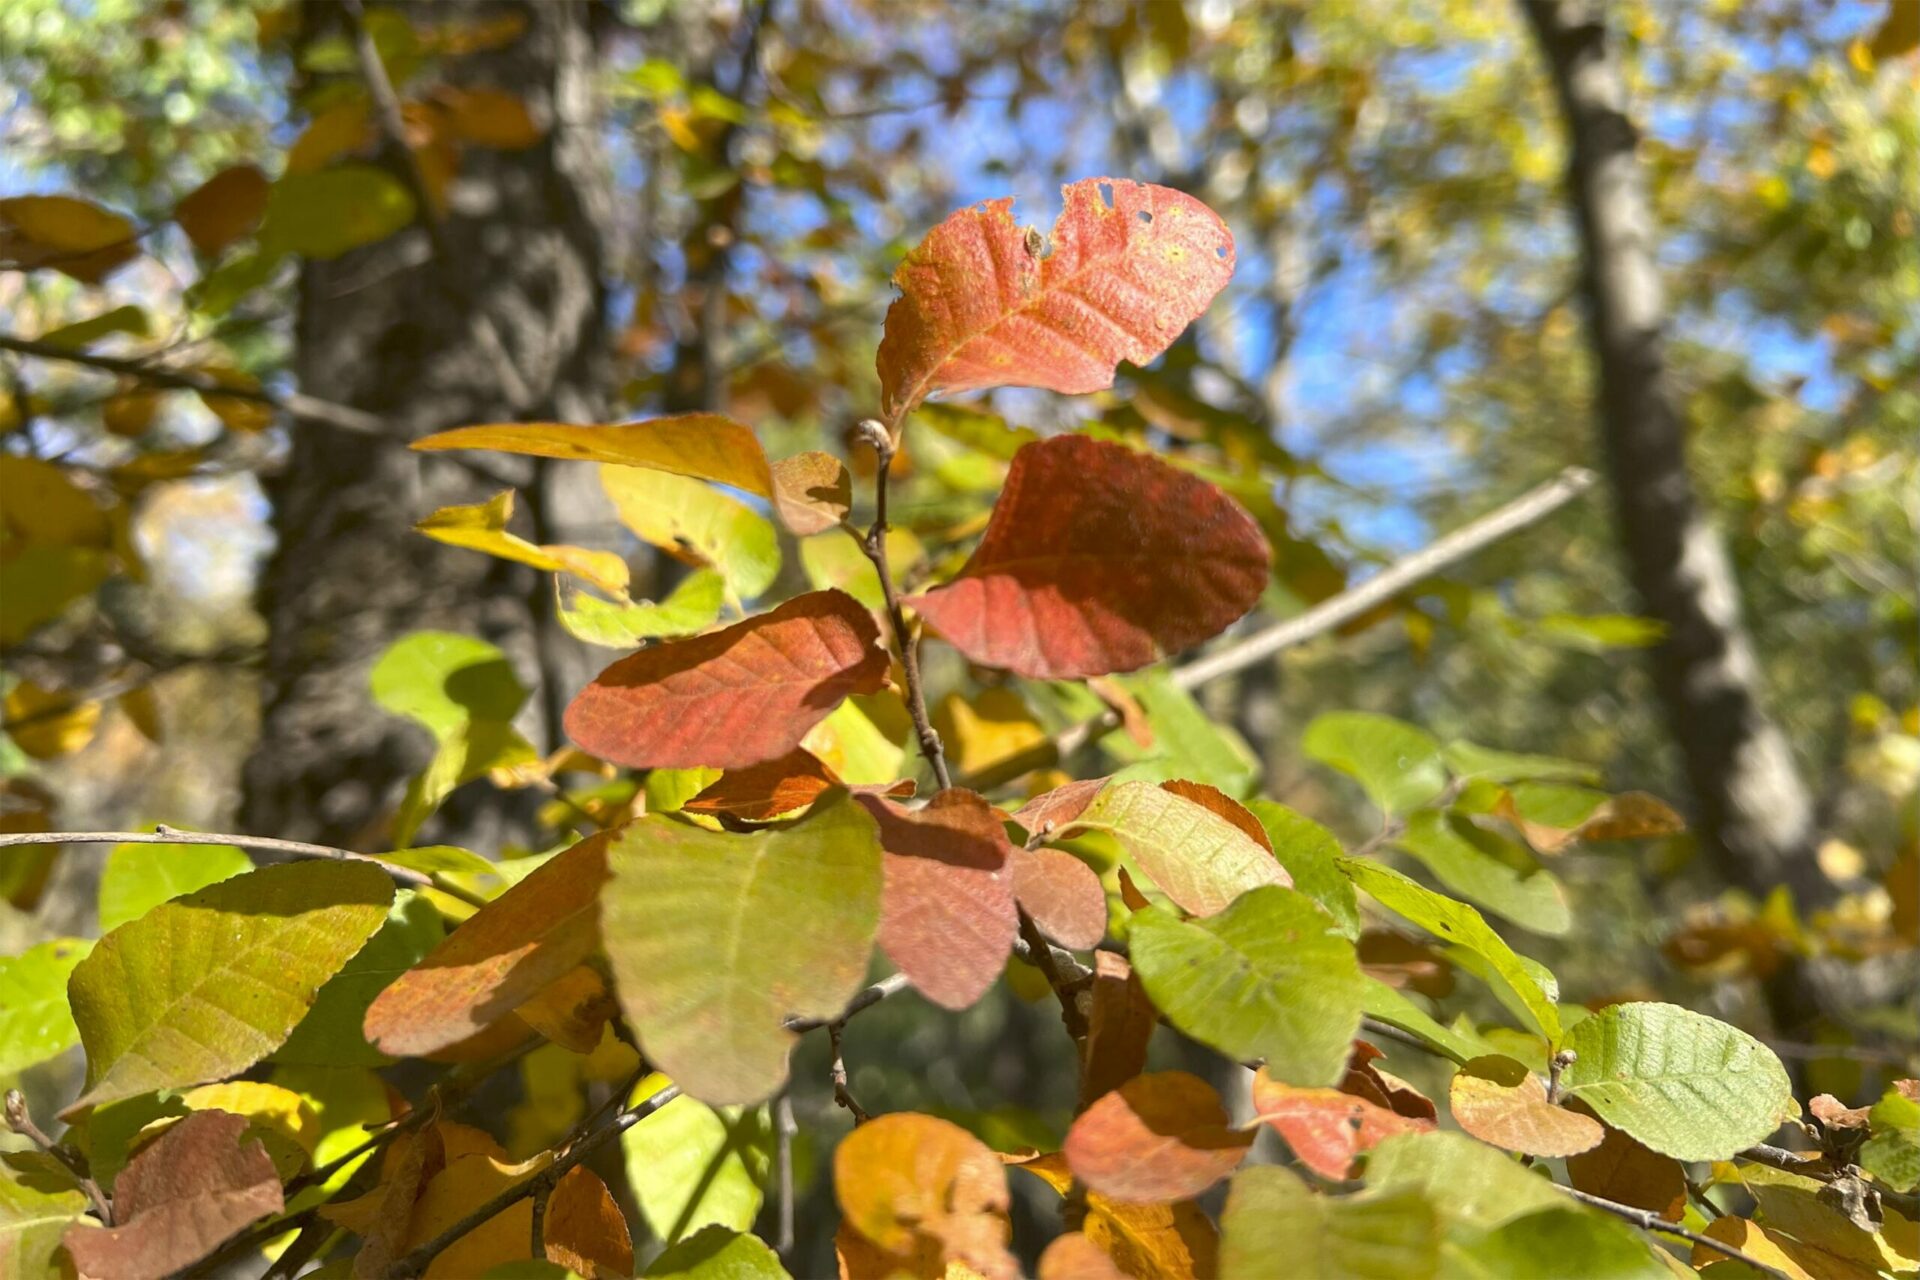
472,211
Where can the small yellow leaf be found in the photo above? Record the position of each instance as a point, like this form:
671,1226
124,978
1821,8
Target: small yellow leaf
482,527
74,237
47,723
238,413
344,127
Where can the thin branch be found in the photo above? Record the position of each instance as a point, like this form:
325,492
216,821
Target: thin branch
1040,953
875,545
785,1127
842,1095
866,998
1647,1220
72,1161
266,844
1527,510
296,404
564,1161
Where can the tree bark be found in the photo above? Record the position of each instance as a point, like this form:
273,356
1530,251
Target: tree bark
507,323
1753,814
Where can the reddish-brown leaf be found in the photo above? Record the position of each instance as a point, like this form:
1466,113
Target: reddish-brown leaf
1156,1138
223,208
763,791
195,1187
1364,1080
1099,559
812,492
1220,804
1045,814
382,1217
1400,961
946,915
1062,894
734,698
500,958
1623,1170
1327,1128
1120,1022
1132,265
1499,1101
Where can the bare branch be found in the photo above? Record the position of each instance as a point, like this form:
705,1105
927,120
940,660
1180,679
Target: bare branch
1647,1220
72,1161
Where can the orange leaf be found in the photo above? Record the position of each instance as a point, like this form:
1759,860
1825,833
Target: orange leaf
1075,1257
583,1226
572,1011
908,1183
1132,266
946,914
504,955
812,492
1220,804
1156,1138
586,1232
1623,1170
178,1200
735,697
1146,1241
1498,1100
225,207
767,790
1120,1022
488,118
382,1217
1056,809
1062,894
1099,559
1328,1128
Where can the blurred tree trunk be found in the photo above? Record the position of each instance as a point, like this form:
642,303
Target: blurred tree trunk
509,324
1752,811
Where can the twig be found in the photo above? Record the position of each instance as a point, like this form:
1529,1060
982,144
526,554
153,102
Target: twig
1528,509
564,1161
838,1071
875,545
784,1129
1040,953
1647,1220
866,998
72,1161
297,404
268,844
542,1193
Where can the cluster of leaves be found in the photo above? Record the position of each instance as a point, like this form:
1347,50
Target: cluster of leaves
734,887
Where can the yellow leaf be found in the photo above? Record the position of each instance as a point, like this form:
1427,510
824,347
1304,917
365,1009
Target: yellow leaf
344,127
75,237
705,446
583,1227
48,723
483,527
693,521
990,727
1174,1241
489,118
38,503
141,708
288,1127
238,413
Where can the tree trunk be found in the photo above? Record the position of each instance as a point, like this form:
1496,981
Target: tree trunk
507,322
1752,811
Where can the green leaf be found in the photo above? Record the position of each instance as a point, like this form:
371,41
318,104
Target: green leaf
1892,1154
203,987
1389,1006
1524,986
982,432
330,1035
1540,1244
34,1022
1194,856
835,560
1599,632
685,517
139,877
692,1166
691,607
1270,977
718,1254
716,939
1187,742
75,336
443,680
35,1211
328,212
1309,852
1472,762
1475,1184
1275,1225
1686,1085
1456,852
1397,765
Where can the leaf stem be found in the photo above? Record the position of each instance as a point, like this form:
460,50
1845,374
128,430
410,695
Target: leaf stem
1647,1220
875,545
72,1161
163,834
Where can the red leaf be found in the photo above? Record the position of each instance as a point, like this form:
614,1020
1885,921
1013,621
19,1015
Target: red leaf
1099,559
1120,1023
1156,1138
507,953
181,1198
1222,805
1132,266
763,791
946,914
1047,813
1327,1128
1062,894
736,697
1621,1169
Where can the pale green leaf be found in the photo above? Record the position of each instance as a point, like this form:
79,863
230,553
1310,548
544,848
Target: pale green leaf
34,1022
326,213
1397,765
330,1035
1525,987
985,433
1892,1154
691,518
718,1254
1276,1225
1396,1010
1194,856
716,939
203,987
1473,762
1458,855
1541,1243
1309,852
1270,977
691,607
139,877
1686,1085
692,1166
35,1212
443,680
836,560
1187,742
1475,1185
